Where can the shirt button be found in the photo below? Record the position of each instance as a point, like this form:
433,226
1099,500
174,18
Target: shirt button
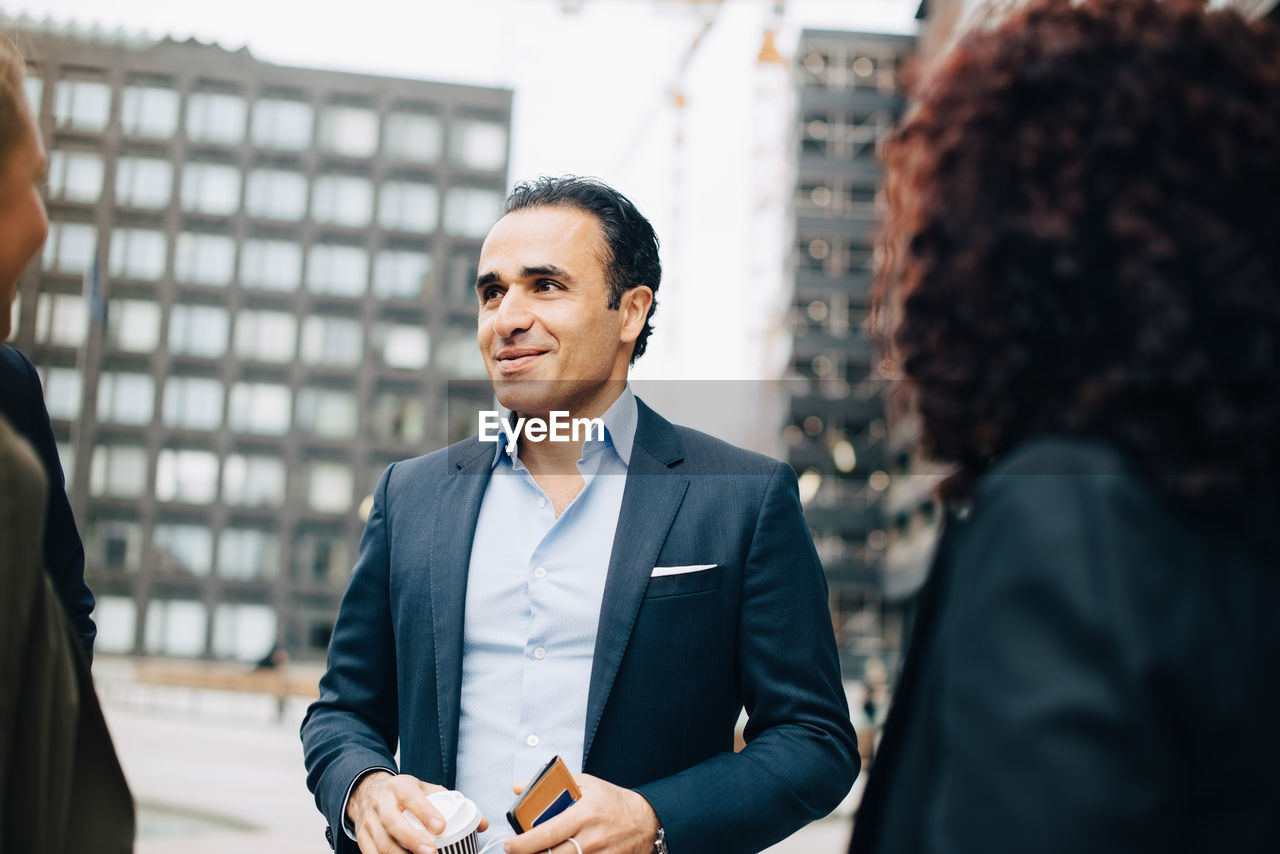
532,741
539,653
540,572
542,502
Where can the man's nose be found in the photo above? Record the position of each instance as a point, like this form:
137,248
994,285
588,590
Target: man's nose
514,314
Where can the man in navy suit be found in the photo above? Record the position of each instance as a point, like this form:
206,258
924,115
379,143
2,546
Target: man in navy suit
617,597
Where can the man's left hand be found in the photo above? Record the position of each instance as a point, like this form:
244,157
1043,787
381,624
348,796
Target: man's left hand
607,818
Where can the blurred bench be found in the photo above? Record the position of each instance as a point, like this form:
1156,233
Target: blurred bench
282,683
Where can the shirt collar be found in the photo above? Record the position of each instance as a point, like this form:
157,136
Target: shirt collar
619,430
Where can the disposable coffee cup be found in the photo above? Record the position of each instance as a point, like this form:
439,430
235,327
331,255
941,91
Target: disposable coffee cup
461,818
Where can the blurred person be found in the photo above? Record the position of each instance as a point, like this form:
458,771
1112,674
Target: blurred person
1081,292
61,787
616,601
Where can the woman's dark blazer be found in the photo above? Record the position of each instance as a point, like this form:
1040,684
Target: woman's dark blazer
1089,671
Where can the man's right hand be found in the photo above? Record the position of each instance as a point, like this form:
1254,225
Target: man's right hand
376,809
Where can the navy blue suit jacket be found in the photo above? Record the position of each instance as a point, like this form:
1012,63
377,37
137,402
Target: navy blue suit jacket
677,657
22,403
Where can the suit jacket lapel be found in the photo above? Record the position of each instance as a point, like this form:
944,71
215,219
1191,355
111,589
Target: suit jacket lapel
650,500
454,523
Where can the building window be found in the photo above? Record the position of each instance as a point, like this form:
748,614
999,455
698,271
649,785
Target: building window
471,211
62,394
176,627
329,487
478,144
243,632
187,476
75,176
210,188
198,330
400,274
118,471
327,413
248,554
215,117
266,336
82,105
342,200
322,556
253,480
126,398
194,403
261,408
61,320
414,137
69,247
276,194
117,623
331,341
143,182
182,548
149,111
458,356
272,265
137,253
33,86
282,124
340,271
133,325
402,345
114,545
204,259
408,206
460,279
400,416
349,131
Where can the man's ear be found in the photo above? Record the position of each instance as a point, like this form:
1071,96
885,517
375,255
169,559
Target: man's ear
634,306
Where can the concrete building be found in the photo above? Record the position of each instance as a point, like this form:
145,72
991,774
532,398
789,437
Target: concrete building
847,99
257,287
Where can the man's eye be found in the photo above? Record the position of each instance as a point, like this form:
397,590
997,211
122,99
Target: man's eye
547,284
490,293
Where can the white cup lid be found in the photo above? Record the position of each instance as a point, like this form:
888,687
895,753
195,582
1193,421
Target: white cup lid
461,816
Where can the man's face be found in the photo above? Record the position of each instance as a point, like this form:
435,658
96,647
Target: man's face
22,217
548,337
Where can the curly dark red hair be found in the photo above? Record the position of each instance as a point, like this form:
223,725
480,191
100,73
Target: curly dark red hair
1083,238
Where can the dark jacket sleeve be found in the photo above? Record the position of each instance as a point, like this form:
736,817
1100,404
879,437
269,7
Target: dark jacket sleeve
22,400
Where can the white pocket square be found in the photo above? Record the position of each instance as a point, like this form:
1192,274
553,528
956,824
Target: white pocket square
659,571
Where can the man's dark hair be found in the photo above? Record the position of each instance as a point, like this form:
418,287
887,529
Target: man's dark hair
631,242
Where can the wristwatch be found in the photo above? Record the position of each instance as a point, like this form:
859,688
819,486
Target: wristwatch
660,842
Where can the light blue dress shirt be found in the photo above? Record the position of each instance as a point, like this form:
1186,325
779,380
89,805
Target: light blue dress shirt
534,588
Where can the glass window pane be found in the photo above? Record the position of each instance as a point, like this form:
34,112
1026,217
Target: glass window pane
243,632
192,402
75,176
83,105
322,556
125,398
115,545
204,259
341,271
253,480
458,356
187,476
471,211
61,319
329,487
118,471
182,548
460,278
137,253
349,131
210,188
272,265
261,408
33,86
117,621
342,200
247,554
327,413
408,206
414,137
331,341
276,194
176,627
282,124
215,117
267,336
478,144
399,417
149,111
399,274
133,325
69,247
198,330
62,393
402,345
143,182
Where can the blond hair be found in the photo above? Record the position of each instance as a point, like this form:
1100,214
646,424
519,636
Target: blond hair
13,117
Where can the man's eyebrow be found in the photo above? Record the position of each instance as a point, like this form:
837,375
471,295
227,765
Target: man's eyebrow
487,279
550,270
